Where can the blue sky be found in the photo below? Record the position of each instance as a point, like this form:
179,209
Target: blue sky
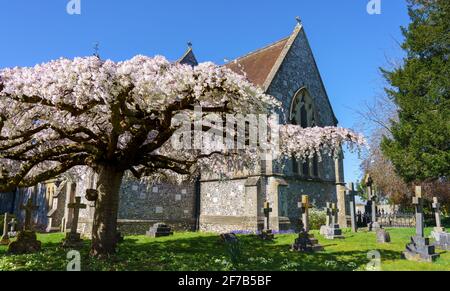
349,44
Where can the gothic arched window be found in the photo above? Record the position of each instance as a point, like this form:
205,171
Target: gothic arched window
302,112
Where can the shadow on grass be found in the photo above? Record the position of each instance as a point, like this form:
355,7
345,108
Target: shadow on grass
198,253
209,253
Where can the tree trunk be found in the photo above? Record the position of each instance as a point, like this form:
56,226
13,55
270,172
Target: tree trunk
104,230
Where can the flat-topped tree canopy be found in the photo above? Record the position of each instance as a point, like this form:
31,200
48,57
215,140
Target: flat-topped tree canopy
117,117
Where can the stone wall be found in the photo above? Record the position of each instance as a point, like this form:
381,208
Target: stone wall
228,206
143,204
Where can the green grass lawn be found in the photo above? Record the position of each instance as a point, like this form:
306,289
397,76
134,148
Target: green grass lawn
205,252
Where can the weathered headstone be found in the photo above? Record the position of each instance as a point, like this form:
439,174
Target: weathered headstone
359,219
383,236
159,230
12,228
26,239
324,228
304,206
334,231
73,238
420,249
373,225
441,237
29,208
56,211
5,237
266,233
351,197
305,241
437,213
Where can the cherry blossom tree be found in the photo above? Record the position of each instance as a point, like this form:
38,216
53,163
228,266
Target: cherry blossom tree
118,117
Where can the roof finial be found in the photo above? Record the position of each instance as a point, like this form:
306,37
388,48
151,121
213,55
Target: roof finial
299,20
189,44
97,49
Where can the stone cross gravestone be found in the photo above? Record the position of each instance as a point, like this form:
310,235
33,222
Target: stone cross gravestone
334,231
329,213
441,237
351,197
26,239
73,238
29,208
5,237
305,241
266,233
437,213
419,249
334,213
374,225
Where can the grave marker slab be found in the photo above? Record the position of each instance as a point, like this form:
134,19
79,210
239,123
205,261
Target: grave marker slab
159,229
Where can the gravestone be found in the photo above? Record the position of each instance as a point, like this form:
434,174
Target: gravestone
351,197
437,213
373,225
55,215
324,228
359,219
334,231
159,229
383,236
26,239
420,249
305,241
73,238
441,237
5,237
266,233
12,228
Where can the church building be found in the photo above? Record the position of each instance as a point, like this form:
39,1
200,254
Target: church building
285,69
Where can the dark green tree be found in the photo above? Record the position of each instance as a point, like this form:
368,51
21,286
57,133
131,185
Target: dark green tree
419,145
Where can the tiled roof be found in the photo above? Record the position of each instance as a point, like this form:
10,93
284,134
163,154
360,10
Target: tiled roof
258,64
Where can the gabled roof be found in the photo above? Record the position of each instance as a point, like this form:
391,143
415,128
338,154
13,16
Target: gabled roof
257,65
261,66
188,58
